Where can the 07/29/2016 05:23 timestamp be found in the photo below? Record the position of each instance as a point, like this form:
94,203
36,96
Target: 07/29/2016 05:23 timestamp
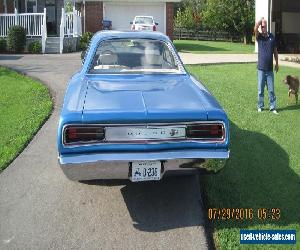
243,213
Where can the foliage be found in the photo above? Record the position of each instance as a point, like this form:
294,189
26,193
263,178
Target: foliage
188,14
184,18
2,45
85,40
24,106
69,46
68,7
82,55
16,39
231,16
35,47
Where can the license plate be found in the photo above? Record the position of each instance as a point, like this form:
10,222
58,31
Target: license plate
145,171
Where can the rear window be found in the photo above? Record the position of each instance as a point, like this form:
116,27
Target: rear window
133,56
143,20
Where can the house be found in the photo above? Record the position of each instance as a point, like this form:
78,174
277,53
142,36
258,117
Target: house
85,15
283,21
121,12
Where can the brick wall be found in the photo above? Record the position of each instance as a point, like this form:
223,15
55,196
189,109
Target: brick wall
169,21
94,16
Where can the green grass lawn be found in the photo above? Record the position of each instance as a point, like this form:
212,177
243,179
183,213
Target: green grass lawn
264,166
213,47
24,106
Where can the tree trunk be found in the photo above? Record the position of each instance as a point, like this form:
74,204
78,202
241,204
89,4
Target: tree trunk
247,37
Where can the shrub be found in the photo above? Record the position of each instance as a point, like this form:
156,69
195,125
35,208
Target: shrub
85,40
68,7
35,47
69,46
16,39
82,55
2,45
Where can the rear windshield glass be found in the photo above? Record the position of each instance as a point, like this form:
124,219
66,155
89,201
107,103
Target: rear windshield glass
143,20
133,56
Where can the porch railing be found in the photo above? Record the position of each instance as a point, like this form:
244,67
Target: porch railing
70,25
32,23
73,24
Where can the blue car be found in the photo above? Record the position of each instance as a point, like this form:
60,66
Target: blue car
134,112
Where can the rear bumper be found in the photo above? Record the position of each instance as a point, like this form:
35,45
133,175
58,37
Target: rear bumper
116,165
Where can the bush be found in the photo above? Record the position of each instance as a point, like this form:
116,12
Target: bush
35,47
16,39
85,40
2,45
69,46
82,55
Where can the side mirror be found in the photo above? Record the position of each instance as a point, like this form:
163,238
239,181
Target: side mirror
131,22
156,23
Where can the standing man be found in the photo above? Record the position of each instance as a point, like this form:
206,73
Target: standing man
266,49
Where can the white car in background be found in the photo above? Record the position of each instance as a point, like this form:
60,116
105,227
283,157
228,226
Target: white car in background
145,23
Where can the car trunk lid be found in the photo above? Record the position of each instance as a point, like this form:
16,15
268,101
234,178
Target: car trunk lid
142,98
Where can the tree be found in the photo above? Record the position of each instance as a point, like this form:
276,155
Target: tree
184,18
188,14
68,7
233,16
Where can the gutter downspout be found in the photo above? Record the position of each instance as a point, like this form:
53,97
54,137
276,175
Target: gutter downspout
83,16
269,15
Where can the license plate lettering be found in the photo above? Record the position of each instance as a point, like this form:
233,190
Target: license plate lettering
146,171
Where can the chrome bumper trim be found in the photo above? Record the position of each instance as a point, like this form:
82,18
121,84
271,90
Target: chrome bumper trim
116,165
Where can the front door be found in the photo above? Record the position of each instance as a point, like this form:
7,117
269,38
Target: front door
51,17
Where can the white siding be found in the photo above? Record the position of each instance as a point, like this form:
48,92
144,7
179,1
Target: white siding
261,10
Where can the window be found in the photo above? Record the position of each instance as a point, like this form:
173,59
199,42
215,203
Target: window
133,56
143,20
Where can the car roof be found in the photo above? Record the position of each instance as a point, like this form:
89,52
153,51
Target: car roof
110,34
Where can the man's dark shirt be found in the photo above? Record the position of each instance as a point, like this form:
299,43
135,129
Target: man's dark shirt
266,47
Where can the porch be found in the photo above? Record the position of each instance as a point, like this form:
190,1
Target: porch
43,25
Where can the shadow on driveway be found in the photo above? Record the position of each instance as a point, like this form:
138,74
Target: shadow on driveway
173,202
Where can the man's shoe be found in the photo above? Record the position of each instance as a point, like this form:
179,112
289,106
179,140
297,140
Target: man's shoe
274,111
259,109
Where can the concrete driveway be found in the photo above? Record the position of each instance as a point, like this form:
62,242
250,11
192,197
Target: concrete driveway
41,209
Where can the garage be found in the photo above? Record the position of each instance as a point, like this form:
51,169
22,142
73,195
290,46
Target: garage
122,14
283,21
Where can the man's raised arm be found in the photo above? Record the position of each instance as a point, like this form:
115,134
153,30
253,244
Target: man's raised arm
257,24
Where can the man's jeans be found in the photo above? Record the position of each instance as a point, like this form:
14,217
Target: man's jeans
263,78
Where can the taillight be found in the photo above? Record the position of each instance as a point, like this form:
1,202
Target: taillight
83,134
154,28
206,131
